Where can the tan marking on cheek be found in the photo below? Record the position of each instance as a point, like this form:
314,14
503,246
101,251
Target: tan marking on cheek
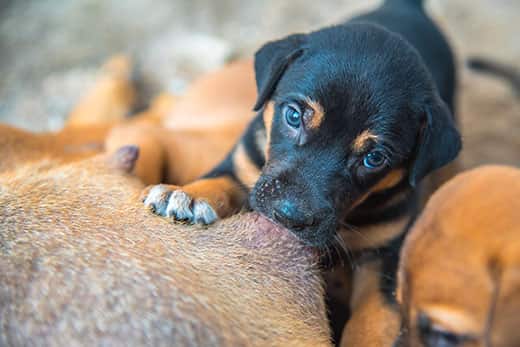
359,200
245,170
268,115
389,181
317,117
362,140
373,236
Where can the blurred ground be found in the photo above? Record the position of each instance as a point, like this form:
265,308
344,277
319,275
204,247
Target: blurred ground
50,51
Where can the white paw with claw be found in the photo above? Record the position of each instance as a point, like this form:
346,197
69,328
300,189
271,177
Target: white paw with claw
171,201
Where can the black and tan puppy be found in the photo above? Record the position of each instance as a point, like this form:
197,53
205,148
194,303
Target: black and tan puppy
348,114
350,119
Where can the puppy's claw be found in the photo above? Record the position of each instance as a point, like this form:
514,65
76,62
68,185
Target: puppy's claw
179,206
157,199
203,212
168,201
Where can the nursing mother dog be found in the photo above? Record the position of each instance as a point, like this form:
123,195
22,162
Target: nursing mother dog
72,274
350,119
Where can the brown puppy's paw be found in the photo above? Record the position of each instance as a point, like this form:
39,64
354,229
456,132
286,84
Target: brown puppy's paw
172,201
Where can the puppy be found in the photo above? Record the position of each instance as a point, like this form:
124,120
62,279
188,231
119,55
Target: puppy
110,99
74,274
459,276
107,103
211,115
350,119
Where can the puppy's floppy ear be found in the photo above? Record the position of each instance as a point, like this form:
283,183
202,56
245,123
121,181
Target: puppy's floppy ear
270,63
438,144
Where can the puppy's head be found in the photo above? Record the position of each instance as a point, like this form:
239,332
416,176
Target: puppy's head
349,111
459,277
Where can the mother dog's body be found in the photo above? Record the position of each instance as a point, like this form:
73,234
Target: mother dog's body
77,272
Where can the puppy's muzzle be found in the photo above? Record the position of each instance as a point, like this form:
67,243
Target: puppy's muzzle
302,221
289,214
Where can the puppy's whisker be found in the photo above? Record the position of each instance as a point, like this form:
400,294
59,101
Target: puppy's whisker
338,251
349,226
328,254
341,244
354,229
383,275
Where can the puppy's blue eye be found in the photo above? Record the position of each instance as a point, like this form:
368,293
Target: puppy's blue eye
292,115
374,160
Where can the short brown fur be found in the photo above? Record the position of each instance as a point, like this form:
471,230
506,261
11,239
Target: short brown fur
82,262
474,287
374,322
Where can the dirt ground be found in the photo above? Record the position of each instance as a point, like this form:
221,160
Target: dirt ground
50,51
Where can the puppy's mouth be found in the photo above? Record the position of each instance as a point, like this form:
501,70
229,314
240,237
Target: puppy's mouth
315,235
313,226
266,233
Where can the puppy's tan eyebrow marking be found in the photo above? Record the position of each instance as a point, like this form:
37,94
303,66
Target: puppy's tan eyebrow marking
362,140
318,115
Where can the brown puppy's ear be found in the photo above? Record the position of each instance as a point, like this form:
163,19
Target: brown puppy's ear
438,144
270,63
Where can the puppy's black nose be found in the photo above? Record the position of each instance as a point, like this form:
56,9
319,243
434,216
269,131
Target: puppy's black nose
291,216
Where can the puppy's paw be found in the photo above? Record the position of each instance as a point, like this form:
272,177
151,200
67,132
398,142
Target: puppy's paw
172,201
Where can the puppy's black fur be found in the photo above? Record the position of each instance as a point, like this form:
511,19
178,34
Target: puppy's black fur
497,69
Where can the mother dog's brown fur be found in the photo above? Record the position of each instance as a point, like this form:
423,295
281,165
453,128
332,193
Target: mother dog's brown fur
73,272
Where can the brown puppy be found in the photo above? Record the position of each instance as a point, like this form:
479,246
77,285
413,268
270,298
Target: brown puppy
104,105
72,273
211,114
459,276
196,131
110,99
20,146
